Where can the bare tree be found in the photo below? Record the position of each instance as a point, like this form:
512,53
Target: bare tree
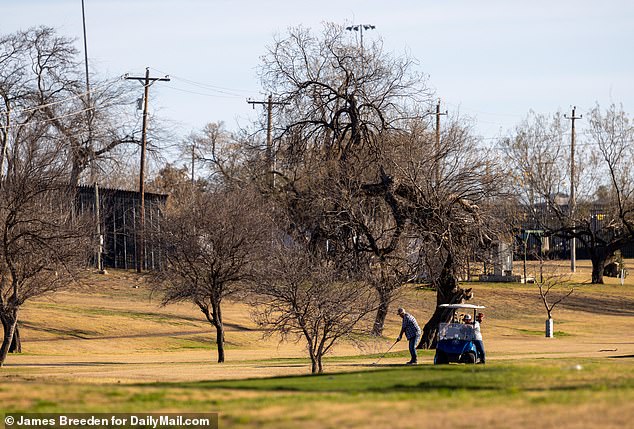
452,198
550,285
210,242
43,242
212,153
300,296
41,84
342,106
613,133
540,162
362,175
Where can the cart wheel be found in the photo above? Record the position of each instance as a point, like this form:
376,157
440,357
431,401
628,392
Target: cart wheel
440,358
468,357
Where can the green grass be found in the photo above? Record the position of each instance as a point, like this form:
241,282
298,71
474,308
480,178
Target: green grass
281,402
542,333
191,344
542,375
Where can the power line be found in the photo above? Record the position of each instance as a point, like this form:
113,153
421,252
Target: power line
206,95
438,114
217,88
53,103
42,121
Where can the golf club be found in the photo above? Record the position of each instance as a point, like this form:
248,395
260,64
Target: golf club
387,351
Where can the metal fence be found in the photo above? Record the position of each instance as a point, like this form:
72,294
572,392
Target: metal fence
119,221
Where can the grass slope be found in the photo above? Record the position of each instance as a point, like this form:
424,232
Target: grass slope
110,347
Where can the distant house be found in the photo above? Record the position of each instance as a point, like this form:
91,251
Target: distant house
119,212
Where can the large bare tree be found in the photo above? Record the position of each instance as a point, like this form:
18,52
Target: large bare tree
451,194
341,103
41,83
43,242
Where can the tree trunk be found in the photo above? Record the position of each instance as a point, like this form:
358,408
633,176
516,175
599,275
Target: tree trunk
381,313
448,291
9,323
428,338
220,341
215,318
16,343
598,258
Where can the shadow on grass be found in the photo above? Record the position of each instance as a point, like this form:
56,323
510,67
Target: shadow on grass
284,365
442,380
378,365
389,378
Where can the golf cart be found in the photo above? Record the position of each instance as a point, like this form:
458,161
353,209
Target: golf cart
456,339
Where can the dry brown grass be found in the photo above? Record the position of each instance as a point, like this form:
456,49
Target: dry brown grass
113,329
94,344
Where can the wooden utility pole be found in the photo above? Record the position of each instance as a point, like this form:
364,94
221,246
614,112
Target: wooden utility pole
5,142
437,154
100,269
147,82
193,159
572,201
269,135
90,114
89,111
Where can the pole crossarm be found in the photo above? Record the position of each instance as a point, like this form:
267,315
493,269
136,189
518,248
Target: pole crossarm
269,103
438,114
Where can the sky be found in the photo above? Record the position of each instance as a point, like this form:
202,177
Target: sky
490,61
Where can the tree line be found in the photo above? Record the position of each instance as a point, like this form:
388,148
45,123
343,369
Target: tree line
319,227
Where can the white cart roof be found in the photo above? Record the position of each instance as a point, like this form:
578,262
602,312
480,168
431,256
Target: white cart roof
467,306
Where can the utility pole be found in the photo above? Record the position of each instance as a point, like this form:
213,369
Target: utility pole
193,158
89,112
5,142
437,154
572,201
99,235
147,82
269,134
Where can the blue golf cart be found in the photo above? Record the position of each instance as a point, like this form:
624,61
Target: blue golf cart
455,339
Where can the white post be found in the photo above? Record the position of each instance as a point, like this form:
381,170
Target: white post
550,328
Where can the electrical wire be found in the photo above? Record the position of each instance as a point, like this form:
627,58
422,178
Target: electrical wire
203,94
43,121
63,100
221,89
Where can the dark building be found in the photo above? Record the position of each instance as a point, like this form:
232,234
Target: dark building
119,213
